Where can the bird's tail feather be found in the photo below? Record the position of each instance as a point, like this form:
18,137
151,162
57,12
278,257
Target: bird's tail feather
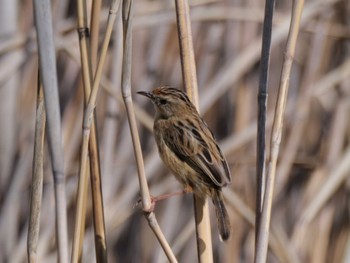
222,217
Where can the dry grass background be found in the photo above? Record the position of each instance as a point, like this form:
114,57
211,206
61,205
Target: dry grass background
311,210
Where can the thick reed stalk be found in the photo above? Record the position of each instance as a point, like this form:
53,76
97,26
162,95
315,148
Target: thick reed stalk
48,73
201,206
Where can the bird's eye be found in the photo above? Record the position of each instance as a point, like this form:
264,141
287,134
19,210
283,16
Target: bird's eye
162,101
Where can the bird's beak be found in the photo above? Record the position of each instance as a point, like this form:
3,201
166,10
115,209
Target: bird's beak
147,94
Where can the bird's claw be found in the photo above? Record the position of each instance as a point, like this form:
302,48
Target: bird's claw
150,208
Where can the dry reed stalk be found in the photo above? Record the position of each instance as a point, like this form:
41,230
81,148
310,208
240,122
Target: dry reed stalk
89,129
262,108
114,8
97,197
126,92
318,250
319,45
37,178
95,164
201,206
95,29
79,227
263,235
9,80
47,58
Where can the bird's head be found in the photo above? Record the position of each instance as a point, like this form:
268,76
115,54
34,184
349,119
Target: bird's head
169,102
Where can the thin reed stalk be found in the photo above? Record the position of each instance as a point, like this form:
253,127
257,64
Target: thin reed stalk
126,92
95,30
302,110
94,156
48,73
263,235
81,198
89,129
37,178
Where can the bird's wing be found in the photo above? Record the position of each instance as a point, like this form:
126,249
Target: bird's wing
195,145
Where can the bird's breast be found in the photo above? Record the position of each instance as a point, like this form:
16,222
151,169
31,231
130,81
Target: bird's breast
180,169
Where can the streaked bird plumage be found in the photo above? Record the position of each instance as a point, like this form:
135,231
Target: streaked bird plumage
188,148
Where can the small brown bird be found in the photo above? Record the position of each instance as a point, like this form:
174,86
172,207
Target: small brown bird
189,150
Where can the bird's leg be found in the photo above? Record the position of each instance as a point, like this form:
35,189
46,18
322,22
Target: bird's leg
166,196
155,199
187,189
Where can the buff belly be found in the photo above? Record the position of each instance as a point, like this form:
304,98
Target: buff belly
189,178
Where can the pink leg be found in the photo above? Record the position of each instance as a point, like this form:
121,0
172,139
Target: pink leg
155,199
166,196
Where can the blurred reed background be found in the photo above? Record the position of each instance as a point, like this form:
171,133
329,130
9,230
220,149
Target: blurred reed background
310,216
